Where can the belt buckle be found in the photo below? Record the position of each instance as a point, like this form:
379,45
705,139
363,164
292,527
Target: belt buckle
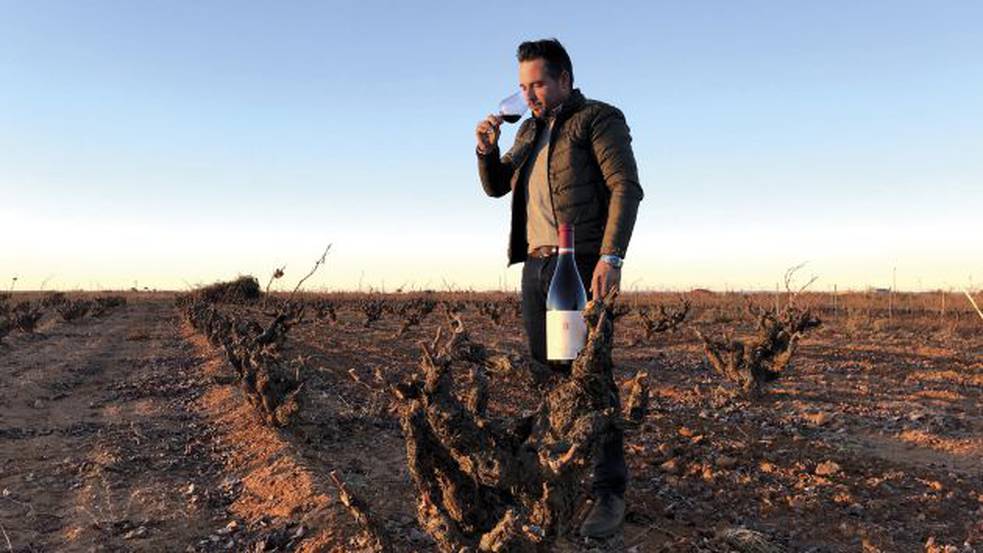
544,252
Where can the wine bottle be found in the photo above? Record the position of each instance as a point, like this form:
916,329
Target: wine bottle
566,330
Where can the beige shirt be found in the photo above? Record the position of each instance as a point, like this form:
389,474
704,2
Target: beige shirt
540,223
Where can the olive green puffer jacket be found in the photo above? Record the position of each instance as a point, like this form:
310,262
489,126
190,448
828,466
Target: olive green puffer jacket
593,178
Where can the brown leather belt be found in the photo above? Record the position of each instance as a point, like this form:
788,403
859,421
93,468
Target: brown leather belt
543,252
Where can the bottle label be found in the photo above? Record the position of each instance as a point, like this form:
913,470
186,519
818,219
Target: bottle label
566,334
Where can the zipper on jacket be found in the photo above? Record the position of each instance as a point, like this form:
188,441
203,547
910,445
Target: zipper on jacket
549,185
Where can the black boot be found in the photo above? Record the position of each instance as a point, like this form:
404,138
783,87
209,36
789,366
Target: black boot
605,517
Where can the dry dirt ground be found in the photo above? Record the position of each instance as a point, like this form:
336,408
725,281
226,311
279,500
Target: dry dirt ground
127,433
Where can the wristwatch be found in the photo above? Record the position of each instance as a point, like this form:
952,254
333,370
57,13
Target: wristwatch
613,261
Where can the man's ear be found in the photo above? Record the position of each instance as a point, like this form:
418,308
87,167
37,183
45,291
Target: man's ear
565,80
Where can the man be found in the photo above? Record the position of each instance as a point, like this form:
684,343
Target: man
571,162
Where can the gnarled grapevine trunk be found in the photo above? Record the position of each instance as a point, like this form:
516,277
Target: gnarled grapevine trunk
755,362
270,384
492,484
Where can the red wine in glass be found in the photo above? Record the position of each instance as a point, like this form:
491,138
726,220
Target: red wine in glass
512,108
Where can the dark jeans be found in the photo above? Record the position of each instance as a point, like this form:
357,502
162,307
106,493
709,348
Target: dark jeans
610,471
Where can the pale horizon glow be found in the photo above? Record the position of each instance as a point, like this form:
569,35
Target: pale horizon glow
172,145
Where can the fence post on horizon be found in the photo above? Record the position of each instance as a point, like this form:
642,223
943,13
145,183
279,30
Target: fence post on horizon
778,295
836,310
972,301
942,309
890,300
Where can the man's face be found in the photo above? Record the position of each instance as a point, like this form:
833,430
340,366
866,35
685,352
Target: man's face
541,91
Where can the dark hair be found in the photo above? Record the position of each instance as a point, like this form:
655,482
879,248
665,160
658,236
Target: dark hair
557,60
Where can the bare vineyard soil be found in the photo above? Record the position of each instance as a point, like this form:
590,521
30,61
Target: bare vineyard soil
128,433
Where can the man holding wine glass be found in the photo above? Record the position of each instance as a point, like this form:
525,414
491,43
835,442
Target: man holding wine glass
575,196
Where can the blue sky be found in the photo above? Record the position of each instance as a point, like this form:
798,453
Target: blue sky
175,143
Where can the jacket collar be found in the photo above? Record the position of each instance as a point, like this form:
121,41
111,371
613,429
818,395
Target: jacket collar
573,103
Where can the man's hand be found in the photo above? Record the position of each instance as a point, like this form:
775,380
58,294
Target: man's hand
605,280
488,132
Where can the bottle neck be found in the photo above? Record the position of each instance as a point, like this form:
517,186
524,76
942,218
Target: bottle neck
565,239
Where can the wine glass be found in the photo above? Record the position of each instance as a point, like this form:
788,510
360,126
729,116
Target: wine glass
512,108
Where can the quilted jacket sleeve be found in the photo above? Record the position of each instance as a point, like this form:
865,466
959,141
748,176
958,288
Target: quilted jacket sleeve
495,173
611,140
